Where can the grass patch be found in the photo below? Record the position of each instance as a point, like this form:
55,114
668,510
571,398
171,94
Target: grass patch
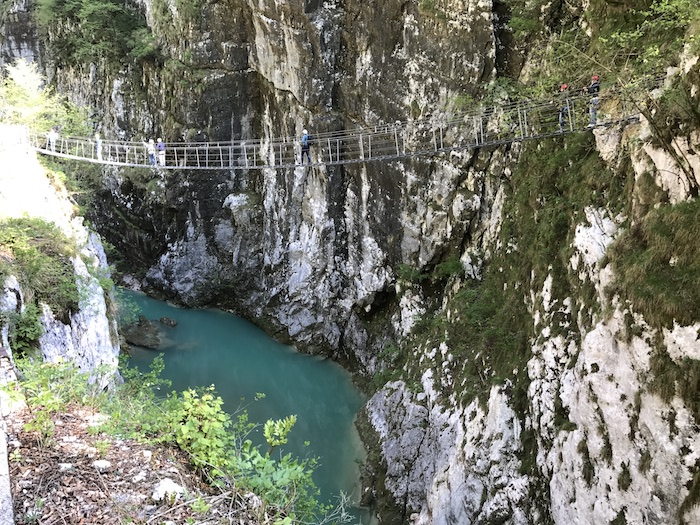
38,254
657,263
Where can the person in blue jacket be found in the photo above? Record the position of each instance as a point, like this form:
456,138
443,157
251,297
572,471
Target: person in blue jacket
305,146
160,146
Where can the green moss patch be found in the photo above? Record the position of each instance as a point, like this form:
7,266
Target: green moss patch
38,254
657,263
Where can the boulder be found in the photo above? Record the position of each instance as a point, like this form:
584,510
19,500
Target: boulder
143,332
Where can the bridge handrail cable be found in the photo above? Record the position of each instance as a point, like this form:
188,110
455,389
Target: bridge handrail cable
478,126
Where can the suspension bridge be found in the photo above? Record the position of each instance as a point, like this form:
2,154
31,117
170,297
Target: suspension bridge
441,133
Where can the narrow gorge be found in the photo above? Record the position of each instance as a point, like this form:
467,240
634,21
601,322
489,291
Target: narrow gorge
524,317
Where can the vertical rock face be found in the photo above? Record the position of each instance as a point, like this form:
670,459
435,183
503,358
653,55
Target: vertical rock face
18,36
306,252
89,338
614,439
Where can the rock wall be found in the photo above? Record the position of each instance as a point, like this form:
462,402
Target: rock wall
609,445
316,249
89,338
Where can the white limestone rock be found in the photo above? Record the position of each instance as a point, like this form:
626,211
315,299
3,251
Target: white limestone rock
168,490
102,465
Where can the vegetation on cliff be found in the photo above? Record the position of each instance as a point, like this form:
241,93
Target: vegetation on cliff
84,31
486,323
38,254
193,421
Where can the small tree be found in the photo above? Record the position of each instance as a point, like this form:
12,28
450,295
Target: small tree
26,100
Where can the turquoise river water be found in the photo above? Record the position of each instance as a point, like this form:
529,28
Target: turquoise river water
214,347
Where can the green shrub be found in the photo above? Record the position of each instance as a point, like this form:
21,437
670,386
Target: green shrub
193,420
25,329
38,254
449,268
408,273
657,264
47,389
201,427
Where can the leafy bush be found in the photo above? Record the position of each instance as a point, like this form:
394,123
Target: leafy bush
195,421
25,329
47,389
84,31
38,253
202,428
25,100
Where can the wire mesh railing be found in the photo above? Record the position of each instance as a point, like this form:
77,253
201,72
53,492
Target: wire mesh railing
479,127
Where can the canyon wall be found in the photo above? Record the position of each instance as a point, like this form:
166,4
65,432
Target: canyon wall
88,337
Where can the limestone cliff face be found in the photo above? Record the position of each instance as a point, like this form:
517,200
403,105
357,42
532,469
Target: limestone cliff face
89,337
307,253
609,447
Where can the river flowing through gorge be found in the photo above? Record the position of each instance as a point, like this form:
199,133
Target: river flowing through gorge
209,346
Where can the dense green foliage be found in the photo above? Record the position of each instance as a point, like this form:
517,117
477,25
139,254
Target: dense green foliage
38,254
658,265
194,420
651,37
25,328
25,100
84,31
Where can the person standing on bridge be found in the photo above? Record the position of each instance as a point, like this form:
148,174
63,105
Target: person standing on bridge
563,105
52,136
161,152
593,92
98,146
305,146
151,150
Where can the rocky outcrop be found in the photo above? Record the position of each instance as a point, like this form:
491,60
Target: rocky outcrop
89,338
142,333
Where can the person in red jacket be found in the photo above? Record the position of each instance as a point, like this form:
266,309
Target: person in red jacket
593,91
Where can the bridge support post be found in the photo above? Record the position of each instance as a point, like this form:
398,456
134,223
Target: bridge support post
521,123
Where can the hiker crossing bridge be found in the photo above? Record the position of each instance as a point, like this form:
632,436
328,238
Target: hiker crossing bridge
441,133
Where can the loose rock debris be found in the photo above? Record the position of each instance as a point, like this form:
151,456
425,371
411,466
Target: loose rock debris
77,477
